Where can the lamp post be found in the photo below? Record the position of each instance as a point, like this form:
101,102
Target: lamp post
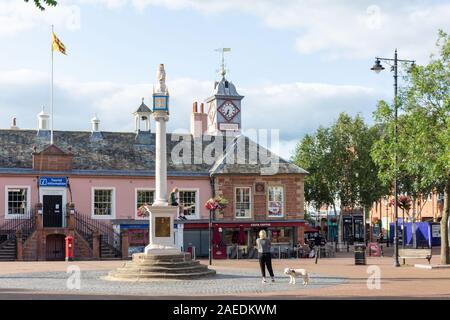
377,67
211,214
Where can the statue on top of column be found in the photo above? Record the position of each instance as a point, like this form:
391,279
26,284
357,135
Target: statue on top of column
161,78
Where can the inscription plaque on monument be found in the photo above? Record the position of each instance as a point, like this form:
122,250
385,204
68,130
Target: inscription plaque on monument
162,227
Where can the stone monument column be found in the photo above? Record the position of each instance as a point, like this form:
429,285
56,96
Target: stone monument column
162,216
161,159
161,259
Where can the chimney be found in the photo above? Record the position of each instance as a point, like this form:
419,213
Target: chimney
14,124
95,124
198,120
43,120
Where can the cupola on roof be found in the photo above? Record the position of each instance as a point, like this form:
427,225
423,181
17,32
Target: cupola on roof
143,108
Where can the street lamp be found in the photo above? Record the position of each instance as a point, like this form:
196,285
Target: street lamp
377,67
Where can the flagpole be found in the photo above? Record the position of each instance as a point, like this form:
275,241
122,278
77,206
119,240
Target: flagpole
51,101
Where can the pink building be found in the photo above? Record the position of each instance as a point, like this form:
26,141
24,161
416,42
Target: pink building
93,186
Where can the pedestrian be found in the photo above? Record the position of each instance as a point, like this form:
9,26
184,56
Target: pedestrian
265,259
173,201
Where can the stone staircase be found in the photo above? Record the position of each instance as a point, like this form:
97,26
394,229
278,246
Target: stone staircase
30,248
165,266
8,251
86,227
108,253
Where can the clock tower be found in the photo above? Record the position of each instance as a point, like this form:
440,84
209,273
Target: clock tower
224,106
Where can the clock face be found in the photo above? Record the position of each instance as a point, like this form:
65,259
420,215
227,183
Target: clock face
160,102
228,110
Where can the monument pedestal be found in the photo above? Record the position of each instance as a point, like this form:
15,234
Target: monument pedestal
161,259
161,233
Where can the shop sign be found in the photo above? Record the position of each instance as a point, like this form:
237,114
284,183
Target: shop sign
436,231
53,181
260,225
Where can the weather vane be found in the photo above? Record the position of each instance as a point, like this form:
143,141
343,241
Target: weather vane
222,67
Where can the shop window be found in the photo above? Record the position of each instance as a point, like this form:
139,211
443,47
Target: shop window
103,203
275,203
144,199
17,201
188,201
243,203
282,235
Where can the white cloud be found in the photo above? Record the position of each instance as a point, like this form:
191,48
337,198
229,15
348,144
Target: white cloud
339,29
18,16
292,108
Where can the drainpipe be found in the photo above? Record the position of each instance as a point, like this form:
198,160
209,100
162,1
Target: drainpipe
211,218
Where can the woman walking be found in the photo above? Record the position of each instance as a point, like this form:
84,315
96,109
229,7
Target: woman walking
265,258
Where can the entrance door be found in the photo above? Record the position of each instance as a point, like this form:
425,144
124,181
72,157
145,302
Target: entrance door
55,247
52,211
359,229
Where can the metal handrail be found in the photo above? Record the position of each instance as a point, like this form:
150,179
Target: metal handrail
25,224
87,226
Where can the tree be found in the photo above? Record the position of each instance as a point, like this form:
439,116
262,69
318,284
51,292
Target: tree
423,147
341,170
40,3
427,102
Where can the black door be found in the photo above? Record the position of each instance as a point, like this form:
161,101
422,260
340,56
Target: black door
52,211
55,247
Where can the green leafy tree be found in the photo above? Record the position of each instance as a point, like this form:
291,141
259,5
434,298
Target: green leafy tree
40,3
427,103
423,147
341,170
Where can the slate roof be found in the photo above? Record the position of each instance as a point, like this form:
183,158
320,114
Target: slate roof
143,108
125,153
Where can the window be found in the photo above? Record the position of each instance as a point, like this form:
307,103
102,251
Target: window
17,201
243,204
275,201
143,198
103,201
188,200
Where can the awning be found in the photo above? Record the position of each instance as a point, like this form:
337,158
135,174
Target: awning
310,229
244,224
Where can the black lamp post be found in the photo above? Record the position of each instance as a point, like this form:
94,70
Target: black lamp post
211,217
377,67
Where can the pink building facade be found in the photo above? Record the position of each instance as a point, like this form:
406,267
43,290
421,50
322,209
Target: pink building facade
97,186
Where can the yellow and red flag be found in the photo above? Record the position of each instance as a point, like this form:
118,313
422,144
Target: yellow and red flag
57,45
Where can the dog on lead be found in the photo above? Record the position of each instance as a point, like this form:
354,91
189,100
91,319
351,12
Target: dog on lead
294,273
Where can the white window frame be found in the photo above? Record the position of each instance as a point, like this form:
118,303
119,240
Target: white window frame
197,202
135,200
15,216
283,201
113,203
250,202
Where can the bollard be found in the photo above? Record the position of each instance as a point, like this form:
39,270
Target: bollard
194,253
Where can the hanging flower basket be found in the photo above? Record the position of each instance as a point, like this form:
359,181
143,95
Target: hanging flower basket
217,203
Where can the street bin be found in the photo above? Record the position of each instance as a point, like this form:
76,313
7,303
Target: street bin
360,254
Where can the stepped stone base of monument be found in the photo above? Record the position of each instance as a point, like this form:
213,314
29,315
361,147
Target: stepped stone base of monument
160,266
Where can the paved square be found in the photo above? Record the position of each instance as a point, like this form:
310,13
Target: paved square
330,278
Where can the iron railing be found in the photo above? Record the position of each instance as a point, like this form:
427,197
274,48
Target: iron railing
9,228
86,227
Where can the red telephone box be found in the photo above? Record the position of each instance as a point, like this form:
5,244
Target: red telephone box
69,248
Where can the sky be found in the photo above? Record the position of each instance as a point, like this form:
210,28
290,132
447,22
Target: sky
298,63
